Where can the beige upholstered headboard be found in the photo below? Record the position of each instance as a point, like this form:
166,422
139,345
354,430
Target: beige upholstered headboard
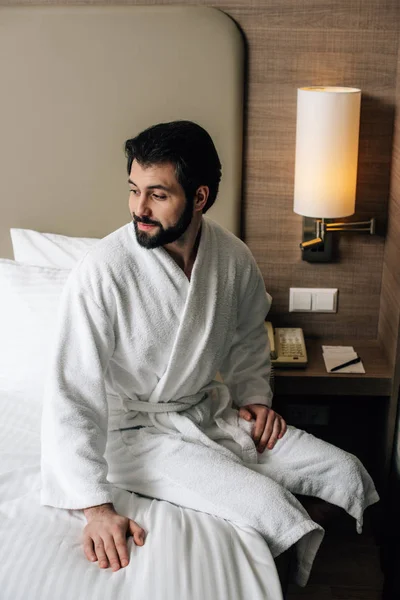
76,82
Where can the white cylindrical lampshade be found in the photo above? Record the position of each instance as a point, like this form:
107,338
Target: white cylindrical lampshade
328,123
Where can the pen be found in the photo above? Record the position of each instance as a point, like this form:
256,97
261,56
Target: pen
346,364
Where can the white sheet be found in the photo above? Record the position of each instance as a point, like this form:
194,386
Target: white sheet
188,555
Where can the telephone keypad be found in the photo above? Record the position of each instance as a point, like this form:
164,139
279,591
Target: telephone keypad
290,343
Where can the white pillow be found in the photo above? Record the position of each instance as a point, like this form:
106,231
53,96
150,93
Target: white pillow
48,249
29,299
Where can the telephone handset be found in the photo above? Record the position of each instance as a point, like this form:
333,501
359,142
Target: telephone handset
287,346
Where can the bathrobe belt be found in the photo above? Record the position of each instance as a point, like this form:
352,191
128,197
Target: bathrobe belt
156,407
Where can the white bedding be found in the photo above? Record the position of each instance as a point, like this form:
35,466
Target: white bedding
188,555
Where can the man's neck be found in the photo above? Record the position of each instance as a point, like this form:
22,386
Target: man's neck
184,250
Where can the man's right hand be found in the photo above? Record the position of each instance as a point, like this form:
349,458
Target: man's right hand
104,537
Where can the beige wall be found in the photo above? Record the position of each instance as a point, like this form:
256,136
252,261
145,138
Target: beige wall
312,42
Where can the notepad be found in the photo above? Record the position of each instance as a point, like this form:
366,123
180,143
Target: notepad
337,355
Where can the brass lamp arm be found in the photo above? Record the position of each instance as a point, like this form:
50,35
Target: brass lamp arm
321,228
351,226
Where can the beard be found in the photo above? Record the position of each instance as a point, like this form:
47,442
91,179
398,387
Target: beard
163,236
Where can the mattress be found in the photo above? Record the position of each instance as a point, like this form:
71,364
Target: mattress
188,555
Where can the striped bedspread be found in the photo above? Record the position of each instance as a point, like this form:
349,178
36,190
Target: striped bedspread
188,555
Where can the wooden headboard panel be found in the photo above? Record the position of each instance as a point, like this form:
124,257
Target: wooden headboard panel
78,81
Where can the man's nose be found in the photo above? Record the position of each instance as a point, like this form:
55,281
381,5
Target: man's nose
142,206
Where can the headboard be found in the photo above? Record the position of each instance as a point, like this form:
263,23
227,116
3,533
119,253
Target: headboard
78,81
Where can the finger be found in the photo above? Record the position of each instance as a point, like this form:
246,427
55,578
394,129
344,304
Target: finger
137,533
283,428
138,538
275,432
111,551
268,430
89,549
122,549
268,427
245,414
100,553
259,426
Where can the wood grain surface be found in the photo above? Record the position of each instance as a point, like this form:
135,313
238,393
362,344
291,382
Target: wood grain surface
314,380
389,320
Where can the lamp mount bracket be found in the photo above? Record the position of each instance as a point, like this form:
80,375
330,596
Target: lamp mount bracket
317,245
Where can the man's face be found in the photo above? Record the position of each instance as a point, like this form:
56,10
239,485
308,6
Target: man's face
161,214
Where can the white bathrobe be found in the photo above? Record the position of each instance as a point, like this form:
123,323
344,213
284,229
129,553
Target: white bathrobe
139,345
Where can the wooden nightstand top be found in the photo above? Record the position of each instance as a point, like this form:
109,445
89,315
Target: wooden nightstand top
314,379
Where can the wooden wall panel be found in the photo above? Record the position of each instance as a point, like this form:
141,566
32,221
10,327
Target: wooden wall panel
389,321
277,14
313,42
389,318
279,64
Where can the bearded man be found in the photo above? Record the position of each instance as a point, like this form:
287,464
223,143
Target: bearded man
148,318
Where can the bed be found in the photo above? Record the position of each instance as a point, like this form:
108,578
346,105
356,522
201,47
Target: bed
187,554
77,82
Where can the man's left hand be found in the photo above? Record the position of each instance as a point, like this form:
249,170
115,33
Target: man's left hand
268,428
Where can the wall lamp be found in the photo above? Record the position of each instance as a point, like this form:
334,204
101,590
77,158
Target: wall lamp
328,123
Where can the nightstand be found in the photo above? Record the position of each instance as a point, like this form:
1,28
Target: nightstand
352,411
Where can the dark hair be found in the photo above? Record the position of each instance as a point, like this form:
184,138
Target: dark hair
188,147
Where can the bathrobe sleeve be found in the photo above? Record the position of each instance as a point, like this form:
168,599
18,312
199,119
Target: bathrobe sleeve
75,411
247,366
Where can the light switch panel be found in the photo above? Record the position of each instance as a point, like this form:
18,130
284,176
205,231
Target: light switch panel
313,300
300,300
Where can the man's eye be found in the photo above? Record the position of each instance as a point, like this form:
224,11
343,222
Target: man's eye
133,192
159,197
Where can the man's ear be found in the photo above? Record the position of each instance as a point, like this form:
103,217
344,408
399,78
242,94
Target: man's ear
201,197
